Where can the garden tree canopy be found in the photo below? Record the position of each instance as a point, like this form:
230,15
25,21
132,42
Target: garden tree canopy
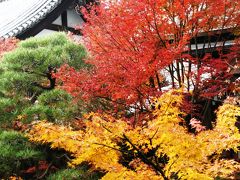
162,149
27,84
140,48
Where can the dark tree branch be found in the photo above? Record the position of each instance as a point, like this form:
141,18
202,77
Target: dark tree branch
52,80
145,159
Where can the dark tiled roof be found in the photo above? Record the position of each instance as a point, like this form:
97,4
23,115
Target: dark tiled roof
37,10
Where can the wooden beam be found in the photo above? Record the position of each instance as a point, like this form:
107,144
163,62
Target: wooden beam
64,18
55,27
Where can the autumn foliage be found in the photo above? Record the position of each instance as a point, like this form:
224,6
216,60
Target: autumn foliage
140,53
162,149
155,96
7,45
140,48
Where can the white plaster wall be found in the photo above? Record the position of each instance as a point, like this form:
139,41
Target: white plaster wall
74,19
45,32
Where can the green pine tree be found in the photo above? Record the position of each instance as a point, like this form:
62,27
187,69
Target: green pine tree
27,86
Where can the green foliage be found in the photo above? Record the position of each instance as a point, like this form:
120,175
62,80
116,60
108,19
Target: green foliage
82,172
27,84
15,149
7,107
55,105
67,174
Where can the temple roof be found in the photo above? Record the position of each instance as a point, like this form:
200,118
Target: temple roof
18,16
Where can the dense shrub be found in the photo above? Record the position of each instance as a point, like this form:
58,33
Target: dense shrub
16,153
82,172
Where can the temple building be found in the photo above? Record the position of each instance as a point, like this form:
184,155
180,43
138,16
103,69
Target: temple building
23,19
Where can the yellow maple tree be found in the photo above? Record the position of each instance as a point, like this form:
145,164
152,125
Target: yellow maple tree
162,149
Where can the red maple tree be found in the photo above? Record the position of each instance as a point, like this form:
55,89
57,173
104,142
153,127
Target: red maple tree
139,48
7,45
